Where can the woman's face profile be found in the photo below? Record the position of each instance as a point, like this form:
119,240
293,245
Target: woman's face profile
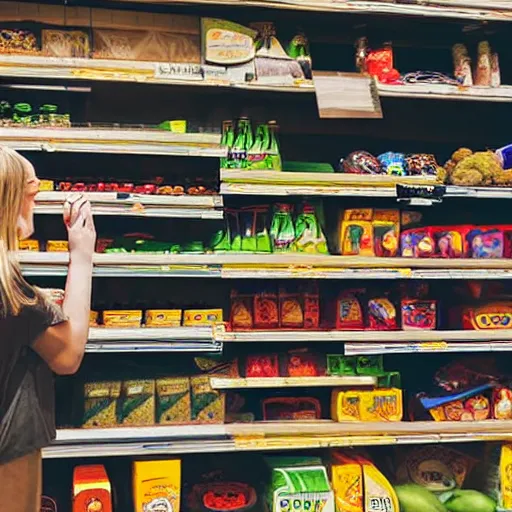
26,218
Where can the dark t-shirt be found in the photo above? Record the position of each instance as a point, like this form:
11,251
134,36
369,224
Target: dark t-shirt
27,408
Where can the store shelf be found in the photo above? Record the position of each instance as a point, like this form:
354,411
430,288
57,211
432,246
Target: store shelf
291,382
284,266
431,347
265,436
113,140
356,338
274,183
138,205
493,10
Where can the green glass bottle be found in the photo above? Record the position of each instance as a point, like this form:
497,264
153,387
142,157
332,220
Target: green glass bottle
227,139
239,151
273,151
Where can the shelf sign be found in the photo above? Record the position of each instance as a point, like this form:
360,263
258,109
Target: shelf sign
346,96
420,195
170,71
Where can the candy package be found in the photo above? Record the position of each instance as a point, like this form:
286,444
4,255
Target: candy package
417,243
486,242
451,241
257,366
421,164
357,233
381,315
393,163
386,232
349,312
418,314
361,162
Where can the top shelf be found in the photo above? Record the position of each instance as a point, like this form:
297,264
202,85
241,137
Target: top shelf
141,141
493,10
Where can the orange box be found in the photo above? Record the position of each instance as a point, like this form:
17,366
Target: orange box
57,246
91,489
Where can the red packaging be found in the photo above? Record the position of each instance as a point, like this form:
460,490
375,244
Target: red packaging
417,243
302,363
381,315
266,311
282,408
451,241
291,310
262,366
502,403
312,309
379,63
418,314
486,242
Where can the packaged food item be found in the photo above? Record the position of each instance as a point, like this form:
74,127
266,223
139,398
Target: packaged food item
29,245
386,232
502,403
137,403
494,315
208,405
309,236
483,69
198,317
46,186
94,319
242,316
163,317
92,491
417,243
418,314
282,229
379,63
421,164
291,311
122,318
101,404
311,298
57,246
451,241
298,483
302,363
468,405
361,162
262,366
498,474
349,312
157,485
393,163
382,314
367,405
214,496
173,403
486,242
462,65
266,310
65,43
378,493
436,468
347,483
146,45
218,366
291,408
18,41
357,235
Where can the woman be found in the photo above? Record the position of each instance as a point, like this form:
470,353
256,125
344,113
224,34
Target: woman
36,336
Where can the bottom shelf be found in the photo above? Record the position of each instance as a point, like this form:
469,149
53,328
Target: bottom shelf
267,436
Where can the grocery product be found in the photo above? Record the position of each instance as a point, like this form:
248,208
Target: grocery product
347,483
298,483
208,405
222,496
92,491
494,315
198,317
498,475
29,245
349,311
137,404
262,366
367,405
122,318
17,41
163,318
378,492
57,246
157,485
415,498
101,404
65,43
418,314
173,402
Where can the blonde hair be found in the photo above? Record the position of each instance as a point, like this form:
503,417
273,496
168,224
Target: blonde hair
13,183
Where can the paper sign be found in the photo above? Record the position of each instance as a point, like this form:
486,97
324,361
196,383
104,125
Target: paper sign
346,96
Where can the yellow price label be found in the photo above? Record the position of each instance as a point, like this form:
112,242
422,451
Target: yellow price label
434,346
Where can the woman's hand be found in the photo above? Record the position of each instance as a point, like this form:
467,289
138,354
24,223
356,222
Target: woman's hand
81,231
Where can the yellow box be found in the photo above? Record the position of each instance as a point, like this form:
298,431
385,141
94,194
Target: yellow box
122,318
157,485
93,319
163,317
367,405
57,246
347,483
46,186
29,245
197,317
